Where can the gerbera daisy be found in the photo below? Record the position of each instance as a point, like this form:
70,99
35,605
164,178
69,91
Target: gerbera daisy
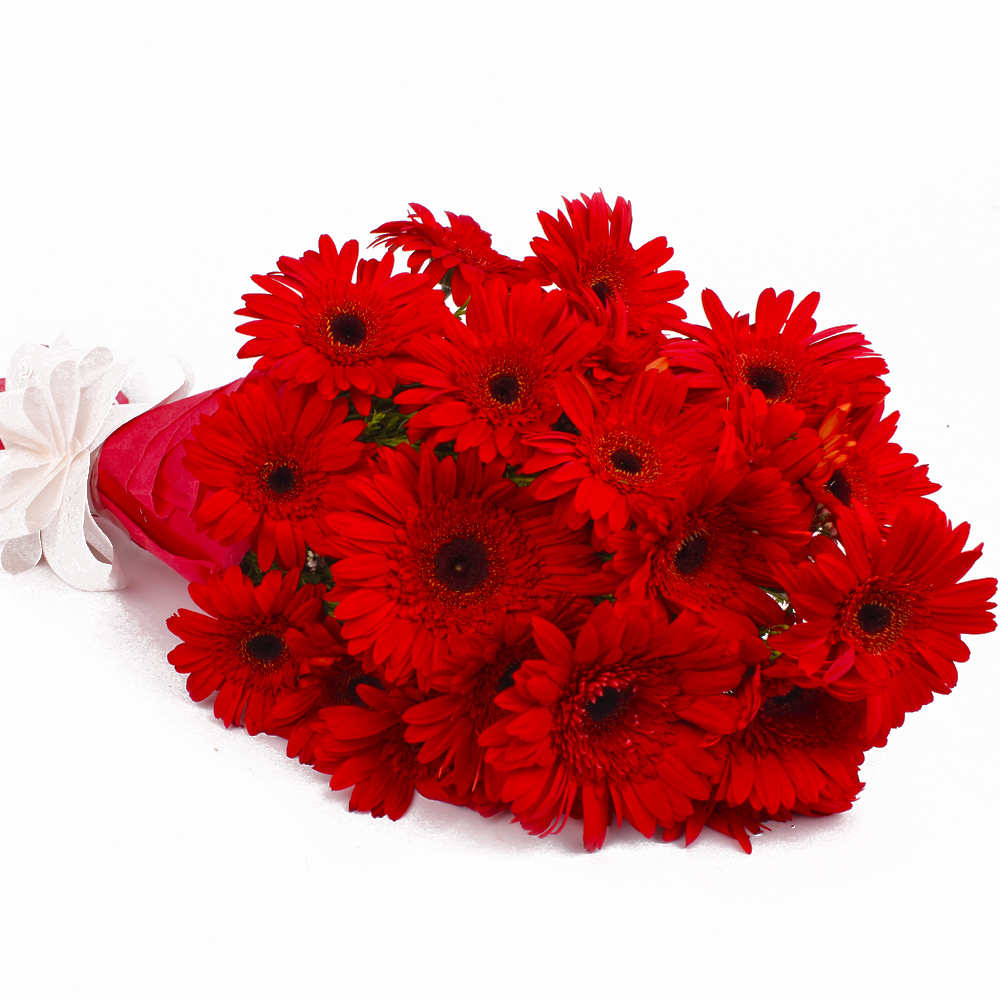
314,324
882,618
239,648
433,547
618,719
780,353
463,248
588,253
762,434
621,354
269,461
489,381
859,464
365,747
799,753
708,550
328,675
464,705
640,445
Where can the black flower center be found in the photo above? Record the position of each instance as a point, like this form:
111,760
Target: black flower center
281,480
627,462
770,382
506,679
347,330
461,565
874,618
799,702
691,554
505,388
265,647
602,290
355,682
606,705
838,485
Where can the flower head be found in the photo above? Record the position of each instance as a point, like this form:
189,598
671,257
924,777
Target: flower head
881,619
328,675
798,752
861,465
239,648
463,247
642,444
616,720
463,701
708,550
430,548
588,253
269,457
489,381
317,323
366,747
781,354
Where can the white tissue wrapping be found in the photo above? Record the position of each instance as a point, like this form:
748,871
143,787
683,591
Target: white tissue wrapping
58,408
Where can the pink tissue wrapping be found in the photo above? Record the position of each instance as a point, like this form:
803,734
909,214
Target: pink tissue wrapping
143,484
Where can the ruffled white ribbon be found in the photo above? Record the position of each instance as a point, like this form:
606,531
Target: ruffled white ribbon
58,408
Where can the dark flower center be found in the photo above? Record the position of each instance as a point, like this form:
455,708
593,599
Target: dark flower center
281,480
347,330
798,702
624,461
506,679
874,618
691,554
606,705
505,388
355,682
461,565
770,382
602,290
265,647
838,485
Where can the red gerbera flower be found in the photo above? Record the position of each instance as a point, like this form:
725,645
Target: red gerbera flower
239,647
762,435
882,618
269,462
490,381
708,551
481,667
618,720
781,354
366,748
622,354
434,547
316,325
861,465
799,753
640,445
588,253
463,248
328,675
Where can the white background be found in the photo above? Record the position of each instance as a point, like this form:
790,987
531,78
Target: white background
155,155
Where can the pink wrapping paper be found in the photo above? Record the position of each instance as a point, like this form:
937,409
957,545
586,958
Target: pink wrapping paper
142,483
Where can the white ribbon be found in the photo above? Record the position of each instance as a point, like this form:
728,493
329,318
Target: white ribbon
58,408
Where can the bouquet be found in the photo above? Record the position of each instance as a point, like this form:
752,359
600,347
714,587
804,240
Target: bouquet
516,535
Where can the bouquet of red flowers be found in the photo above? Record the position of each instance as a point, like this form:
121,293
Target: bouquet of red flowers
551,548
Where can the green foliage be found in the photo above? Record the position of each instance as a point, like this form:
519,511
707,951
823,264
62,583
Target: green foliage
386,428
315,571
251,568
